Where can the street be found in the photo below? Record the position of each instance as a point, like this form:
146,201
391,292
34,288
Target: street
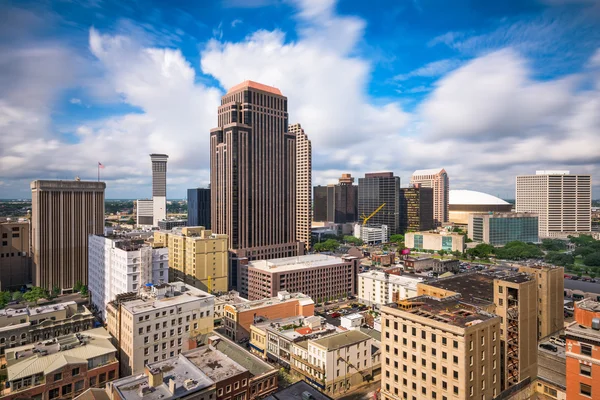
368,392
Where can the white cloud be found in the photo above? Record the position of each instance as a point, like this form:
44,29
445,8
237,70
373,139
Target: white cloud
236,22
432,69
75,100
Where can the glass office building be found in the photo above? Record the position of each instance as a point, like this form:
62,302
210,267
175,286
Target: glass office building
498,229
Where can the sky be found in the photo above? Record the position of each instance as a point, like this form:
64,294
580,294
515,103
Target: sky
486,89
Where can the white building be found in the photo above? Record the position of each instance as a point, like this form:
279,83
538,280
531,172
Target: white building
379,288
144,212
370,234
562,201
120,265
352,321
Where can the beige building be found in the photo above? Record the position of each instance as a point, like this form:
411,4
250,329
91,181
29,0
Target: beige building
561,200
303,185
63,214
438,180
439,349
197,257
15,255
551,287
161,323
435,241
377,288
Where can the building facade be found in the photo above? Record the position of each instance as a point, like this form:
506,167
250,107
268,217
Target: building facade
161,322
303,185
435,241
159,187
144,209
318,276
63,214
121,265
376,288
337,203
438,180
170,223
416,209
199,207
498,229
374,190
561,200
371,234
15,255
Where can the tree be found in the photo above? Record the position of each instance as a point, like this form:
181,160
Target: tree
517,250
557,258
482,250
17,296
5,298
592,274
397,238
77,286
592,260
457,254
442,253
55,291
553,245
84,290
36,293
353,240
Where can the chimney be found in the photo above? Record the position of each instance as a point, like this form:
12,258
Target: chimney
172,386
155,376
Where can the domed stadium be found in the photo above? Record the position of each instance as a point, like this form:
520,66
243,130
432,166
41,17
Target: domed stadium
465,202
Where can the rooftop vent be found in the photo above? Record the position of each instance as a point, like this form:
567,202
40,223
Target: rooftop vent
596,324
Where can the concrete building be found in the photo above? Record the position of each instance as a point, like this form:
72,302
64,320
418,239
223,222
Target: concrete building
120,265
376,288
465,202
438,180
337,203
498,229
159,187
170,223
239,317
144,210
372,234
21,326
377,189
318,276
60,368
416,209
439,349
15,255
583,351
63,214
198,207
418,264
197,257
303,185
446,241
551,287
338,363
231,297
253,175
561,200
162,321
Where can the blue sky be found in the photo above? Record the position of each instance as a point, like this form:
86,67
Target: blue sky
486,89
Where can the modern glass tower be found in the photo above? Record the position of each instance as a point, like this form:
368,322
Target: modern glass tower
374,190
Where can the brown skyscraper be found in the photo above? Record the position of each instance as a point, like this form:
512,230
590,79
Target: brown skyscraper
63,214
253,175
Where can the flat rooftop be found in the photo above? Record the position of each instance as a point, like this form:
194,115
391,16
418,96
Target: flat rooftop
589,305
552,366
251,305
341,339
293,328
216,365
149,303
577,331
402,280
296,263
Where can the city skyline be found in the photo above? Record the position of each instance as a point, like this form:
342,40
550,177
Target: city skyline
111,83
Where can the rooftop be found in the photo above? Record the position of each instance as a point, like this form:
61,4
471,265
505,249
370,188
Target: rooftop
589,305
179,294
295,392
402,280
254,85
341,339
296,263
472,197
552,366
298,327
431,171
586,333
93,394
216,365
255,304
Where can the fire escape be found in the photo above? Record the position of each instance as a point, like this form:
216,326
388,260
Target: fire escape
512,338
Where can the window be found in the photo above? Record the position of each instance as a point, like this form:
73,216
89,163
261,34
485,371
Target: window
444,341
228,389
54,393
500,289
111,375
67,389
79,386
414,331
92,381
455,374
433,338
102,377
585,370
455,390
455,359
586,350
455,344
75,372
57,376
585,390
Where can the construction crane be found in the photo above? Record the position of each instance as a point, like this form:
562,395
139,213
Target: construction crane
365,219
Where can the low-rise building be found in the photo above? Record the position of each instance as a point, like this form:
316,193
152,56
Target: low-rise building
239,317
231,297
352,321
447,241
62,367
21,326
418,264
170,223
161,322
318,276
378,288
384,259
372,234
498,229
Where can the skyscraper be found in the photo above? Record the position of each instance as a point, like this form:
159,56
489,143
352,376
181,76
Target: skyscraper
337,203
374,190
562,201
198,207
159,187
437,179
303,185
63,214
15,256
253,175
416,209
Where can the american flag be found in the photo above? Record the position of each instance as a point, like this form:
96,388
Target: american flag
100,165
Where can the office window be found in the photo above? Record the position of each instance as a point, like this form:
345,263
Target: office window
585,370
586,350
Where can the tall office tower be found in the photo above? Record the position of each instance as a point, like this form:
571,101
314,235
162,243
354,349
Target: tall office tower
437,179
198,207
63,214
253,175
416,209
562,201
337,203
303,185
15,255
375,190
159,187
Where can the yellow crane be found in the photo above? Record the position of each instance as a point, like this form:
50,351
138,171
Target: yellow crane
365,219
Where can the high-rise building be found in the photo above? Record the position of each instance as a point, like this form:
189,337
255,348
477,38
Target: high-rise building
438,180
197,257
144,209
337,203
63,214
500,228
123,265
159,187
377,189
253,175
303,185
563,201
416,209
199,207
15,255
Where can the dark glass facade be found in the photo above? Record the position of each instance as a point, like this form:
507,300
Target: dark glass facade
374,190
416,209
336,203
198,207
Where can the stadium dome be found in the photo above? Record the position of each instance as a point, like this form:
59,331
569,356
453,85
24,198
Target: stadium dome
471,197
465,202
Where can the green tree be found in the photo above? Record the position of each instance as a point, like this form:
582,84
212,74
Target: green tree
592,260
592,274
442,253
17,296
5,298
457,254
553,244
84,290
582,240
557,258
77,286
55,291
397,238
353,240
36,293
517,250
482,250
